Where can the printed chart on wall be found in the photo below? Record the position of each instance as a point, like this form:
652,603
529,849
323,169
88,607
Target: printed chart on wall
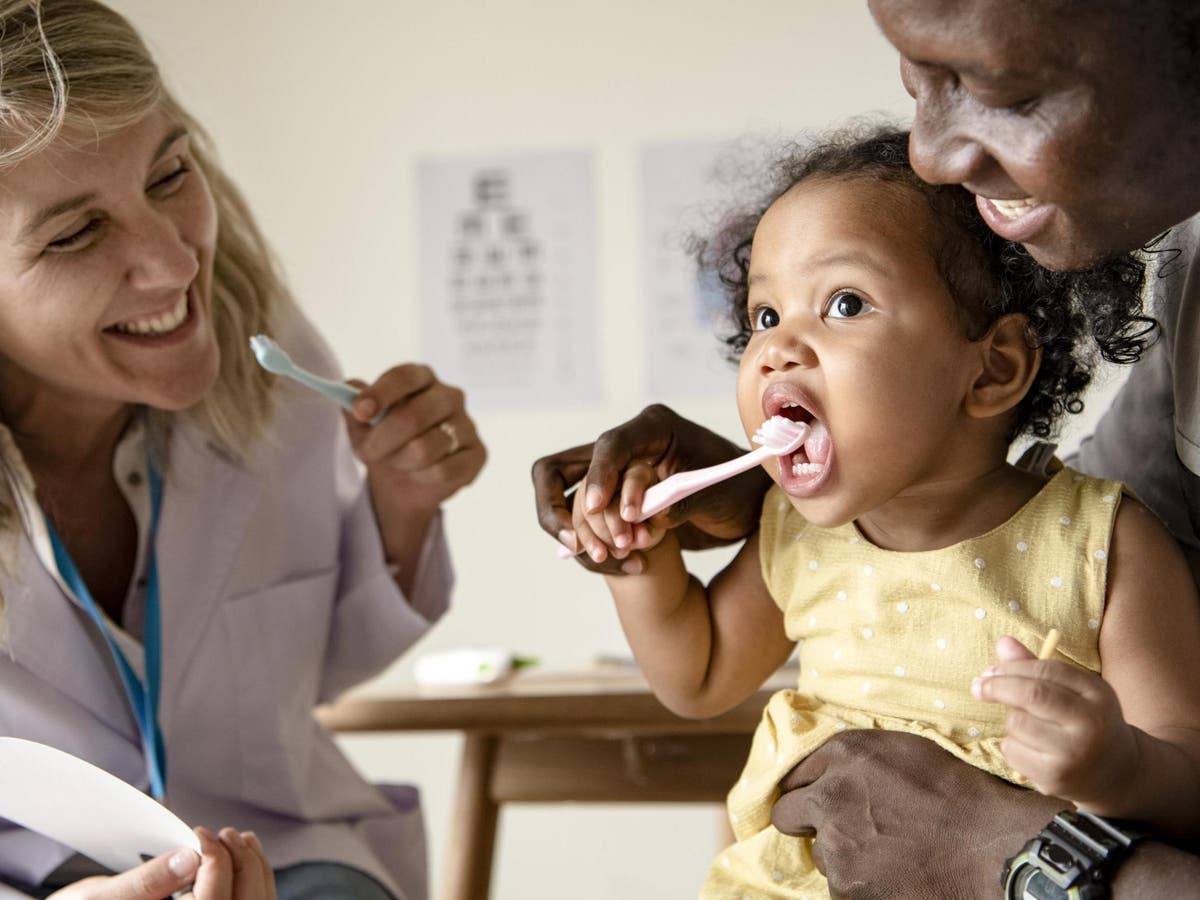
508,277
681,188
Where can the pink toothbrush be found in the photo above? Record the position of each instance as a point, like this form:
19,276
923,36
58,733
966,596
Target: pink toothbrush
778,435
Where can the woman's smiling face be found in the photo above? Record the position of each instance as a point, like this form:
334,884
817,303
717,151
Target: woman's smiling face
106,260
854,328
1069,122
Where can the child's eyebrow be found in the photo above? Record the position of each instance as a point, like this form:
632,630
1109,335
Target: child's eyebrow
853,258
857,259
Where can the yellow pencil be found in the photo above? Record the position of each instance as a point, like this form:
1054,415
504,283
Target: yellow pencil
1049,644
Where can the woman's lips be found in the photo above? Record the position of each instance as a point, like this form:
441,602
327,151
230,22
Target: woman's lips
1014,220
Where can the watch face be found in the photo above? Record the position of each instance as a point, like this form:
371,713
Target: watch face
1030,883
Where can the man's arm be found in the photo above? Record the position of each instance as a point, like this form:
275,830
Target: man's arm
894,815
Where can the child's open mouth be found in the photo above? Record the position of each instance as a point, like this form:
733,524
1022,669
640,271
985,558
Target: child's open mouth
807,466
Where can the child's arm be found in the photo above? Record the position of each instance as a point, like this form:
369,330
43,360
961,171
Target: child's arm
1066,731
703,650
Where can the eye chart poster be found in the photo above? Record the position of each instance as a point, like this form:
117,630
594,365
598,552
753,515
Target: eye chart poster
683,184
508,255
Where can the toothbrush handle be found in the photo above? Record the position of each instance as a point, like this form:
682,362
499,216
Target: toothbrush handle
683,484
337,391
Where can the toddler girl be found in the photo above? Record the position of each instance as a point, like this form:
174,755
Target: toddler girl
898,546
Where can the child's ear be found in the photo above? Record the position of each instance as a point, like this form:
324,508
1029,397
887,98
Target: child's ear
1008,366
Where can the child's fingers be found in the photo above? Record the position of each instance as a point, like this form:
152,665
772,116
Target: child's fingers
1037,733
1045,698
591,529
621,516
638,477
589,542
1009,649
620,532
1035,763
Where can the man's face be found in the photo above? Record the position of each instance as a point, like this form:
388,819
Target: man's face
1070,129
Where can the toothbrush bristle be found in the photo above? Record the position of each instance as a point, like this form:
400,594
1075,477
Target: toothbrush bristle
269,354
781,435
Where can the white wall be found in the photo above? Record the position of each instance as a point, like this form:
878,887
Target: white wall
320,111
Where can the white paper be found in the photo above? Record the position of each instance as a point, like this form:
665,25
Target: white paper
682,193
508,277
84,807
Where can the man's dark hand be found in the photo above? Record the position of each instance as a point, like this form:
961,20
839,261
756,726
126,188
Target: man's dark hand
719,515
895,816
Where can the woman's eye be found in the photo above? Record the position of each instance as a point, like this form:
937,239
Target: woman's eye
846,305
171,180
77,239
763,317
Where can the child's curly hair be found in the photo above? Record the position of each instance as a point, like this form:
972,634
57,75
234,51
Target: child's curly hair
988,276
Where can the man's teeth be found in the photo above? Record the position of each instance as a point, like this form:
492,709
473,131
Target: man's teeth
1012,209
163,323
807,468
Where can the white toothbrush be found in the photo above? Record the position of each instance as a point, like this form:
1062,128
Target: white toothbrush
777,436
273,358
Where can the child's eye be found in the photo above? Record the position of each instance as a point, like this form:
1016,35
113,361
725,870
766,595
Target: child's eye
846,305
763,317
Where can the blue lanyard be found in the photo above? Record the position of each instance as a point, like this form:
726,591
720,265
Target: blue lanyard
142,698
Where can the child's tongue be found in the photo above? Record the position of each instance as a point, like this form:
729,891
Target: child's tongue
817,445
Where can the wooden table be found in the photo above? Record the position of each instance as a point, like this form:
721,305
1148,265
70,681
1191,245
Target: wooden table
541,737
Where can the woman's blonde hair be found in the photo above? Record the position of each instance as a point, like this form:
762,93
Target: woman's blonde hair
75,71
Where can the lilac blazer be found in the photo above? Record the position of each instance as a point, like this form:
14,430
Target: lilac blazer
275,597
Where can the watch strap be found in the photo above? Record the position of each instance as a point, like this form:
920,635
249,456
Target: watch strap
1072,857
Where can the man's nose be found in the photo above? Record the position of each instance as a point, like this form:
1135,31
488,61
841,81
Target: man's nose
940,147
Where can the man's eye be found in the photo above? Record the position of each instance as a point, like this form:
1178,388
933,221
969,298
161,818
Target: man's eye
763,317
847,305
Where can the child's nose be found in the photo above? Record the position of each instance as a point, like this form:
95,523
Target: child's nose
787,349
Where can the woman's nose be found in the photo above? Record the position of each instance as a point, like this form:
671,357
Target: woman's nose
940,146
160,257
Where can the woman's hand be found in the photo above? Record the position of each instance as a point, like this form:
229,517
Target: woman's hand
230,867
1066,733
722,514
893,815
422,452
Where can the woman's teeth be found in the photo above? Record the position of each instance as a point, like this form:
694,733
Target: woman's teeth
807,468
1012,209
164,323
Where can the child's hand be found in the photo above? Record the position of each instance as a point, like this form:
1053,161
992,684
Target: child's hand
1066,733
607,531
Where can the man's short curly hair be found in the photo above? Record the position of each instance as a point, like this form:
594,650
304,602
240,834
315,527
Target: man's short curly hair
988,276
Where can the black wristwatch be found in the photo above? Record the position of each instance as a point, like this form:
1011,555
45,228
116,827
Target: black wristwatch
1073,858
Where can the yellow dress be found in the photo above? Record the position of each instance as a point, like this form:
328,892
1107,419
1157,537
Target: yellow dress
892,640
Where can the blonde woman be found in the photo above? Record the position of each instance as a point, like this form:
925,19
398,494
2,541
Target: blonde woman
191,556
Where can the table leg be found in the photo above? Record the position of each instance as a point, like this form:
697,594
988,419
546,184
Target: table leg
468,867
